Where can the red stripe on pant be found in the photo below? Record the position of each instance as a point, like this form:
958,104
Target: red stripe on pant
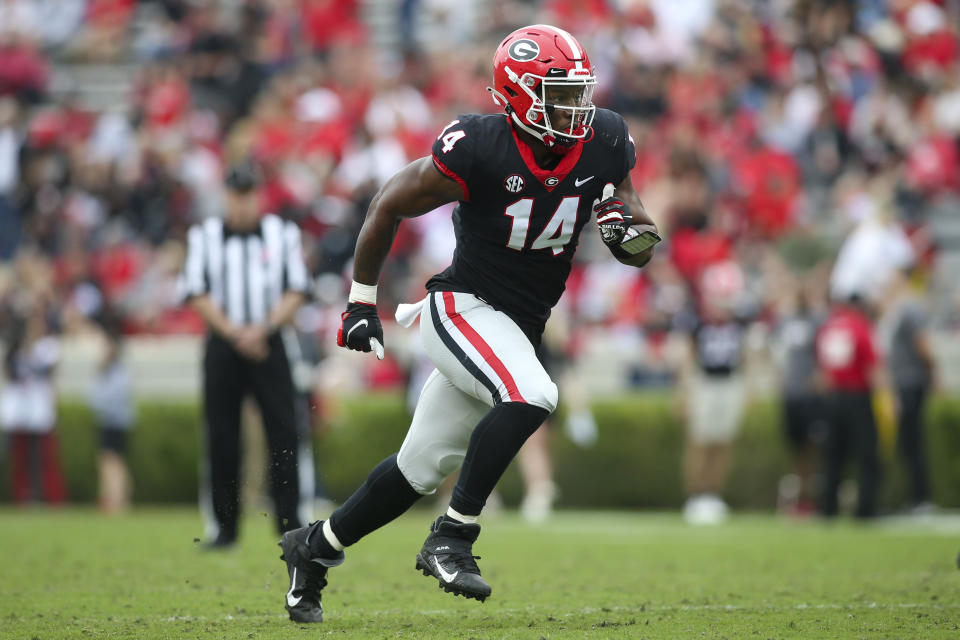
481,346
23,446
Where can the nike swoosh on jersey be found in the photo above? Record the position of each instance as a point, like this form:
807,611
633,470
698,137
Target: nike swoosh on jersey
362,323
447,577
291,600
578,182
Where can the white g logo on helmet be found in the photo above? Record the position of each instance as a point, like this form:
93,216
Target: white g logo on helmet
524,50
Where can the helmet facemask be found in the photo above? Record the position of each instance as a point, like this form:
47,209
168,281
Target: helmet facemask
562,106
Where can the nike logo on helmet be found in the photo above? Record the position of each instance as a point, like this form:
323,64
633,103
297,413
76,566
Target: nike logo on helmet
291,600
579,182
446,577
362,323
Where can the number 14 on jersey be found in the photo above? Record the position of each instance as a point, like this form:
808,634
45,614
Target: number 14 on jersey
559,229
450,139
555,235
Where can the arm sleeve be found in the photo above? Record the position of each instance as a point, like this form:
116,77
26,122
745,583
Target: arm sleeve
453,154
295,276
194,281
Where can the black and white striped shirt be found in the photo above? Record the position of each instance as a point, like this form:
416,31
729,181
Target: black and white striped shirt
245,273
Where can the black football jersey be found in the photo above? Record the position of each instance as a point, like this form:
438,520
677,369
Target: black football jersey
719,346
517,225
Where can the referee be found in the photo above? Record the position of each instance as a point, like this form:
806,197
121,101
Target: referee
245,276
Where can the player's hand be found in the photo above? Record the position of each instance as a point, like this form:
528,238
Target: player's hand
612,216
360,329
251,342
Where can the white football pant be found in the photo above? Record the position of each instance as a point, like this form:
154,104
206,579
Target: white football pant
482,358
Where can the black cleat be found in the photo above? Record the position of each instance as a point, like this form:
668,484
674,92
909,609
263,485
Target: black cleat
447,555
219,544
308,575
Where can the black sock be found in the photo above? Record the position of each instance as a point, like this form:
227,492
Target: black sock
383,497
494,443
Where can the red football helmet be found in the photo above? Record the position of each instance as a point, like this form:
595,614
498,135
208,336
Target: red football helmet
539,71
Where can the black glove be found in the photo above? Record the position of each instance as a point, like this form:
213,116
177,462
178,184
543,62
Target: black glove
613,219
360,328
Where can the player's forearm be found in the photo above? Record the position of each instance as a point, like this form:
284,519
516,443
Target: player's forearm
373,244
214,318
638,213
638,218
282,314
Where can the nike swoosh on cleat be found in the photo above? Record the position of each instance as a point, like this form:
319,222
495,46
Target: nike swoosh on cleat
362,323
291,600
446,577
579,182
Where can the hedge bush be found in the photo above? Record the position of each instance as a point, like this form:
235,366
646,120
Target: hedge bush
635,463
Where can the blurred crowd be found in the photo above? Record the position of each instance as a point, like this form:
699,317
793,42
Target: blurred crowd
793,152
767,133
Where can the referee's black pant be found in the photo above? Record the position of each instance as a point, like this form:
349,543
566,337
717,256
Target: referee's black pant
910,440
227,378
852,433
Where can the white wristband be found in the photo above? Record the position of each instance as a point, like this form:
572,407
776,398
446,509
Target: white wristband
366,293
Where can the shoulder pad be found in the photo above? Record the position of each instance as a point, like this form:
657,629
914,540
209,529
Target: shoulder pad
608,127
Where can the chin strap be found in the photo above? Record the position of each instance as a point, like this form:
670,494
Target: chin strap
499,99
550,141
538,134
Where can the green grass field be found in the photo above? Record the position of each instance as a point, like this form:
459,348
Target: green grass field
74,574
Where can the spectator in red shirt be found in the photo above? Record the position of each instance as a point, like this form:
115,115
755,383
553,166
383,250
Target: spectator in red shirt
24,72
325,22
848,359
768,181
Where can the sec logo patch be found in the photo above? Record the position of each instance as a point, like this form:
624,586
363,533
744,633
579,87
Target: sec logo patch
513,184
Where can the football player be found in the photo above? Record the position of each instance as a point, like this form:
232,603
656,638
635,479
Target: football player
527,182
